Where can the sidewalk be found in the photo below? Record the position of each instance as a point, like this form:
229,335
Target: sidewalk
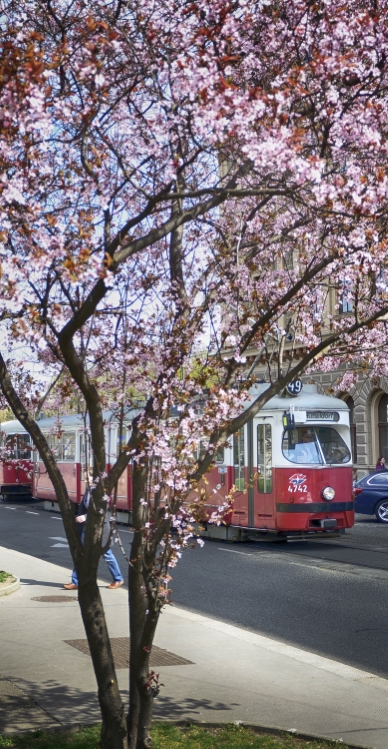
234,675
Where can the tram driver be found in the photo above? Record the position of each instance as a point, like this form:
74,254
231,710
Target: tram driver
306,449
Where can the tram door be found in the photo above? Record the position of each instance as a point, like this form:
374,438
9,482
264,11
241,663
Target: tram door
250,477
261,492
239,477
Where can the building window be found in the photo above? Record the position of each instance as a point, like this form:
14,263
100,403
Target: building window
383,426
353,435
239,459
288,260
346,302
381,286
264,458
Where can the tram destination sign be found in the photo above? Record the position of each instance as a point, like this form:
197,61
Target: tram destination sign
322,416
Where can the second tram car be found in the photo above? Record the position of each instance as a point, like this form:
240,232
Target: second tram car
73,456
16,468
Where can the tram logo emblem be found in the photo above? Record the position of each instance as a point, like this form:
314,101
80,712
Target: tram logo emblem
297,480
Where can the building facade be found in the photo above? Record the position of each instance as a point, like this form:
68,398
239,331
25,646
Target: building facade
368,406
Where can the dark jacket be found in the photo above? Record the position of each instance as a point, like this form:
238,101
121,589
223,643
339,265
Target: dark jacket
83,510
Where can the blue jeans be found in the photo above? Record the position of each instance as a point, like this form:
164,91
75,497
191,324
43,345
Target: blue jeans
114,568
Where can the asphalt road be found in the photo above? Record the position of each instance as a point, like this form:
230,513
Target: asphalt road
328,597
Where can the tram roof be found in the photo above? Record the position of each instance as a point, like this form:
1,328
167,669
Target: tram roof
69,421
309,398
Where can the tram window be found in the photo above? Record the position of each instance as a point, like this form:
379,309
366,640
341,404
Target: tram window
86,456
86,453
300,446
62,445
220,455
82,453
82,457
239,460
120,443
11,447
308,444
333,447
202,449
68,446
24,446
55,445
264,458
18,446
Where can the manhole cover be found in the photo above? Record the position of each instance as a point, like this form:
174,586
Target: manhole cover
120,649
54,599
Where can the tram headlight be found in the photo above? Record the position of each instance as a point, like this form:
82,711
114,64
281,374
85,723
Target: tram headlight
328,493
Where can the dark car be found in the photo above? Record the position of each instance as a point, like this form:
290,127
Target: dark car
371,495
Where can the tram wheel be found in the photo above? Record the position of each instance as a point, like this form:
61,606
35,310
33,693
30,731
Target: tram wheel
381,511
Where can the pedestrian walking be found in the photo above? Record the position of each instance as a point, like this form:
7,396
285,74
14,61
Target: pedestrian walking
380,465
109,557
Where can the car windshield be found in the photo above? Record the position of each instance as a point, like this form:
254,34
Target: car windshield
314,445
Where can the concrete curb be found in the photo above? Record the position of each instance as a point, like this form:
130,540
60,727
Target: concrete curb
271,730
10,587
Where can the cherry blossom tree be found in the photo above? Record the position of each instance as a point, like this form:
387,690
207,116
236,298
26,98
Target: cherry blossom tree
185,188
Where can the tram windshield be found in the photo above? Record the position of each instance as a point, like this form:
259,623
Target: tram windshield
316,445
18,446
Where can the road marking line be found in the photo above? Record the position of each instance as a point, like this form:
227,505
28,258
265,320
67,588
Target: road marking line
57,538
28,512
232,551
10,508
323,565
264,552
54,518
64,546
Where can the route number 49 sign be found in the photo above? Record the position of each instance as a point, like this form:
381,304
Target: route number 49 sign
294,387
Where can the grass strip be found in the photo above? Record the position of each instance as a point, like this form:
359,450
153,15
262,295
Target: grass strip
168,736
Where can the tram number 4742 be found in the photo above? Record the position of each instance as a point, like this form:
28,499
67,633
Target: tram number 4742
295,489
297,483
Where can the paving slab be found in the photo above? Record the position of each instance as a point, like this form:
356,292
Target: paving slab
234,674
19,713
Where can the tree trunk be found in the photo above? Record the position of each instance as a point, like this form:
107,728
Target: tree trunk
136,625
146,691
86,560
141,684
113,732
143,617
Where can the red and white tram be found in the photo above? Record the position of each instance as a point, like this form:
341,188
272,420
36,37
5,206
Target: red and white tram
23,476
73,456
290,466
16,468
